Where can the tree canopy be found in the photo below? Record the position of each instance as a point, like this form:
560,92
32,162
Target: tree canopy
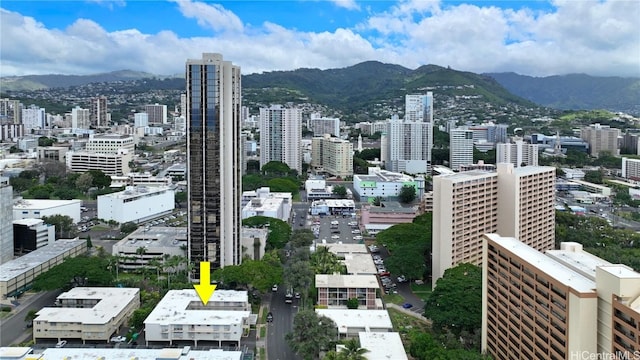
407,194
312,334
63,223
279,231
73,271
256,274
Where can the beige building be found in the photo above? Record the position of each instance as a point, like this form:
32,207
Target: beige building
332,156
110,143
87,313
110,164
335,290
516,202
601,138
559,305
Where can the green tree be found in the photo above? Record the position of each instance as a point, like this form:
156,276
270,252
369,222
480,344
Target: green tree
31,314
128,227
595,177
340,191
312,334
89,243
302,238
353,303
456,302
84,182
323,261
254,274
407,194
139,316
299,276
279,231
353,351
181,198
409,246
41,191
377,201
62,276
45,141
274,169
63,223
100,180
283,185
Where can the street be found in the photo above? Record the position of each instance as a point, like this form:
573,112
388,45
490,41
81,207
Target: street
283,315
14,329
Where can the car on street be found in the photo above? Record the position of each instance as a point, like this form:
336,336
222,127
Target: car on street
61,343
407,305
297,295
118,339
269,317
383,272
355,231
274,288
374,249
402,279
357,237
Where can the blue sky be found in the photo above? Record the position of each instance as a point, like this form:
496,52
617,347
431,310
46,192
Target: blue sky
538,38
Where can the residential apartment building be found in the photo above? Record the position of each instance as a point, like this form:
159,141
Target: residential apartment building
335,290
214,161
406,146
87,313
280,136
517,153
111,164
490,133
141,120
10,111
110,143
181,316
419,107
157,114
33,118
516,202
332,156
6,220
460,148
601,138
99,112
11,132
324,125
562,304
80,118
368,128
631,169
350,322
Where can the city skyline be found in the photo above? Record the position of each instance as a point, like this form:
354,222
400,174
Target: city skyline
537,38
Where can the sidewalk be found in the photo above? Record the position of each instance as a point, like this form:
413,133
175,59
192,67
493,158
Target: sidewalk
23,302
261,342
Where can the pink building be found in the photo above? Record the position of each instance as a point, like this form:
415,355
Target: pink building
376,218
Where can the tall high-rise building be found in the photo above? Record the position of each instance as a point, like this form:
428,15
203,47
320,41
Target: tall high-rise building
601,138
517,202
280,136
332,156
419,107
157,114
517,153
33,118
99,113
558,304
406,146
214,162
6,220
140,120
80,118
323,125
10,111
460,148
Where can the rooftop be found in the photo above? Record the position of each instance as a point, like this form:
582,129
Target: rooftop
572,255
334,203
346,281
138,354
28,262
466,175
546,264
382,345
350,318
156,236
111,301
136,191
43,204
342,249
28,222
174,308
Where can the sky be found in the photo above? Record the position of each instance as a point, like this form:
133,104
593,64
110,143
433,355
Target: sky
536,38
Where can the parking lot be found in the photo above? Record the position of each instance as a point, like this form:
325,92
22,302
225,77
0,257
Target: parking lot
344,230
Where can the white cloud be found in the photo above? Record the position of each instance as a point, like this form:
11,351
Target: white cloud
594,37
347,4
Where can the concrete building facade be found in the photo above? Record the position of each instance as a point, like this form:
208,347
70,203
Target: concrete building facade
159,243
335,290
214,161
631,169
6,220
280,136
31,234
157,114
324,125
601,138
517,153
110,164
136,203
37,208
406,146
332,156
460,148
384,184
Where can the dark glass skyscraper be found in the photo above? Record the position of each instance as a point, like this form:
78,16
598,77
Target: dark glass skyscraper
214,161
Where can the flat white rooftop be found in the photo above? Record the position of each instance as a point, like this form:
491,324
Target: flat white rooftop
36,204
111,301
572,255
360,264
346,281
136,191
349,318
28,262
341,249
466,175
546,264
139,354
174,308
157,236
28,222
382,345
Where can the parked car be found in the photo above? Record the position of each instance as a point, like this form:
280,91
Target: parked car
407,305
402,279
383,272
274,288
118,339
61,343
269,317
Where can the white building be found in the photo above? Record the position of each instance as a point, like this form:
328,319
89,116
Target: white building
253,242
181,316
384,184
140,120
263,202
110,164
324,125
382,345
181,353
419,107
87,313
6,220
16,276
517,153
351,322
316,188
33,118
139,179
460,148
31,234
406,146
332,156
157,241
80,118
631,169
280,135
37,208
110,143
136,203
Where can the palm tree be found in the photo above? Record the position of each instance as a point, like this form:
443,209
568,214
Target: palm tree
353,351
140,252
155,263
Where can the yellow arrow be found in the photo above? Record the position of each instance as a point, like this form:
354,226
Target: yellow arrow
205,289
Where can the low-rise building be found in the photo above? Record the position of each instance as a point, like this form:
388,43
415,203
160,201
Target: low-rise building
352,322
157,242
16,276
136,203
182,353
181,316
333,207
335,290
382,345
31,234
384,184
316,188
386,215
253,242
355,257
87,313
139,179
37,208
110,164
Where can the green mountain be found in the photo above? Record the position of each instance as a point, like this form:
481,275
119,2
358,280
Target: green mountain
40,82
575,91
368,83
